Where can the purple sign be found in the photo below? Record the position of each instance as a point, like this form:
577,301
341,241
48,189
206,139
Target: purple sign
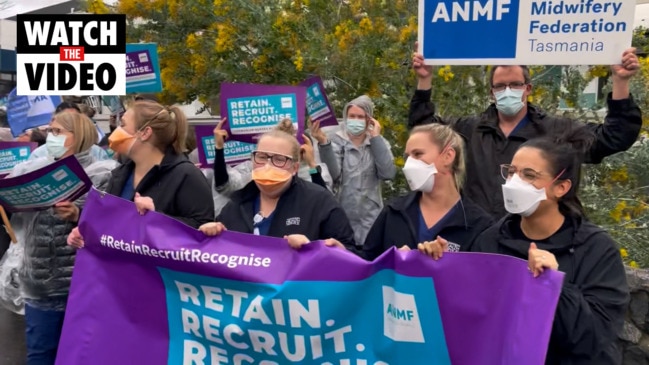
13,153
63,180
244,299
235,152
317,103
253,109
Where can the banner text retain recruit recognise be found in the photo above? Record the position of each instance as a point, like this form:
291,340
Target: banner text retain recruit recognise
186,255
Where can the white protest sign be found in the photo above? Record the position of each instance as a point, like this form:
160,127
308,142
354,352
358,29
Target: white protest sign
538,32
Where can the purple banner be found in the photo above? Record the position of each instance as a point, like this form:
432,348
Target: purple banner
235,152
13,153
253,109
244,299
63,180
317,103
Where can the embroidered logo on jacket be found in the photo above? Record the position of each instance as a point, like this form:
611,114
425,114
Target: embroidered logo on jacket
295,221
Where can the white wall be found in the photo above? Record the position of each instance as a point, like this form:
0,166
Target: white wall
7,34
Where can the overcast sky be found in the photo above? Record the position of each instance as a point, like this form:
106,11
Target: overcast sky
21,6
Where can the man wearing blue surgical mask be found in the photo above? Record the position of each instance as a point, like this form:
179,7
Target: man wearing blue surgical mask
493,137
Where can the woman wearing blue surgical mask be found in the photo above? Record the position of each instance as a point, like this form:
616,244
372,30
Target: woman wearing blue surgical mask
547,227
48,261
434,209
358,158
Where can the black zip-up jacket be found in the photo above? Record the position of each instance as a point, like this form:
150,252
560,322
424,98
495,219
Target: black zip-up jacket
398,224
594,297
177,187
488,148
304,208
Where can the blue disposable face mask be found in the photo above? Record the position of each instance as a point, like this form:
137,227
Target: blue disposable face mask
509,102
355,126
56,145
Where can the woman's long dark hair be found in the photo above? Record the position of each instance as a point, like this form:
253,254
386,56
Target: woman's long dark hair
564,152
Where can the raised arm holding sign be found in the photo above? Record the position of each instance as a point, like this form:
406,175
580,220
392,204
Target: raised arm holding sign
510,120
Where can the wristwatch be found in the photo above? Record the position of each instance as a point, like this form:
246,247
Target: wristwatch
315,170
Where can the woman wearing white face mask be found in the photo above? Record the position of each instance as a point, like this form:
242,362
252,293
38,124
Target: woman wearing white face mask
48,263
547,227
358,158
435,209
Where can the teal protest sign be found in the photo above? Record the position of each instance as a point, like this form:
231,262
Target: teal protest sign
13,153
63,180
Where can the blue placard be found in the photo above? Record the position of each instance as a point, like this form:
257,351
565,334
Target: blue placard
142,68
25,112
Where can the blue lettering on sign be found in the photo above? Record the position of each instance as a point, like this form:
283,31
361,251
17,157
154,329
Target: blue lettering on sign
219,321
470,29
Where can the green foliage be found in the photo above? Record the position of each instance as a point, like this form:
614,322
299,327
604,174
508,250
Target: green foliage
364,47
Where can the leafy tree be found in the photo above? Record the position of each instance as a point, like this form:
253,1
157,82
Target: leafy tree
364,47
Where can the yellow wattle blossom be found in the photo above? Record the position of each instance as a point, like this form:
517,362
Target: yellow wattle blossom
624,253
365,25
633,264
259,64
408,31
97,7
298,61
374,91
445,73
225,39
399,161
621,175
191,41
598,71
617,212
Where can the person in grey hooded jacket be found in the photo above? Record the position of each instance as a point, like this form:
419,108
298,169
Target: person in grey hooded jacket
48,261
358,158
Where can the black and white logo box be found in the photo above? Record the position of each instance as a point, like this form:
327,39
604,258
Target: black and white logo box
71,54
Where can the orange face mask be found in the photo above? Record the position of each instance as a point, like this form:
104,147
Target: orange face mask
121,141
270,177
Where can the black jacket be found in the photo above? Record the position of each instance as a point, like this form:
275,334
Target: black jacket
304,208
178,189
488,148
398,223
595,294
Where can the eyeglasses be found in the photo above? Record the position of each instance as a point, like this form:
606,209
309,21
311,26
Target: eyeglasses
356,116
511,85
277,160
528,175
55,131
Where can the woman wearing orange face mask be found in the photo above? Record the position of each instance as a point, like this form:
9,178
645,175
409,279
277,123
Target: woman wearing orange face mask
279,204
158,175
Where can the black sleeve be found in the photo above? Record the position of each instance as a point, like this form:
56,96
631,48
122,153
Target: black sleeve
373,246
220,169
590,312
422,110
619,131
317,179
336,224
194,200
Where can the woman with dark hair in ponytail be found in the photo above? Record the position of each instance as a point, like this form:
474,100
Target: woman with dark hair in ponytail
547,227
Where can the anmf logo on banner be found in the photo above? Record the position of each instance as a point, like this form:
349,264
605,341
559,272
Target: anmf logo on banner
71,54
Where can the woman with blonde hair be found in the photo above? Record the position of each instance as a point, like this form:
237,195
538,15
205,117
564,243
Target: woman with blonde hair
48,262
435,209
158,176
